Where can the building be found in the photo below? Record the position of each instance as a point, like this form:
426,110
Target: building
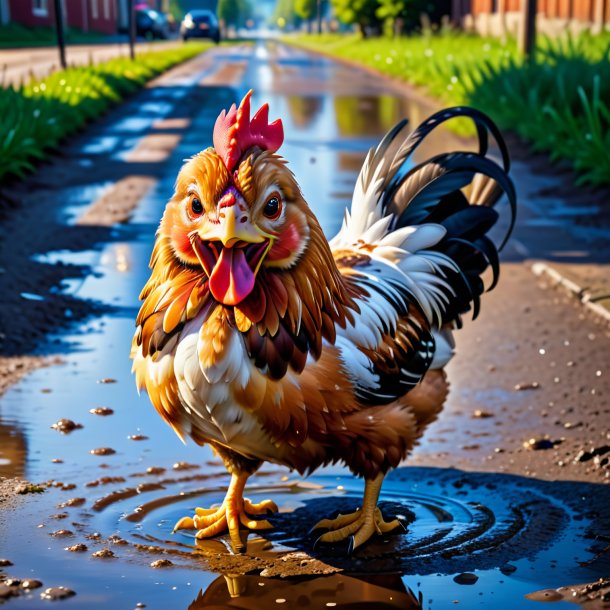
103,16
502,17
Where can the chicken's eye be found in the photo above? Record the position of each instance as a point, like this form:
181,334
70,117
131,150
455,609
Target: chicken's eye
273,207
196,207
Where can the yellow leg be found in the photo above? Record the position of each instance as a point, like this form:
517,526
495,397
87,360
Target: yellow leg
360,525
234,511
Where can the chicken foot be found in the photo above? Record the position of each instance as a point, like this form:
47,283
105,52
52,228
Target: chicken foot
234,511
360,525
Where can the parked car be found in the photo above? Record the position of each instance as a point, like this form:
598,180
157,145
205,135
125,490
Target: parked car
151,24
200,24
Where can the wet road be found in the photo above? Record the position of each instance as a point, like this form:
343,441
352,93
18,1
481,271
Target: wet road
517,533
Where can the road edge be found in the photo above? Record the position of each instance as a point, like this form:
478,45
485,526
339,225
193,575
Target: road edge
573,287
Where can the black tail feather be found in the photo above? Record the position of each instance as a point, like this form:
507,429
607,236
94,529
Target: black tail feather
457,190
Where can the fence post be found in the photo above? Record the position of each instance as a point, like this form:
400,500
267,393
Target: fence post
527,38
59,28
131,20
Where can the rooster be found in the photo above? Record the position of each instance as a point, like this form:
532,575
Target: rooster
266,341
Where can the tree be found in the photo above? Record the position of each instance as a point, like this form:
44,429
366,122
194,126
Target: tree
393,11
306,10
361,12
234,12
284,14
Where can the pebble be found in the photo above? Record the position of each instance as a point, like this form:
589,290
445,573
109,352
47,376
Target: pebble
12,582
104,554
106,380
6,592
539,443
466,578
66,425
62,534
5,563
480,414
103,411
72,502
161,563
102,451
155,470
57,461
77,548
31,583
184,466
54,593
534,385
137,437
508,568
140,605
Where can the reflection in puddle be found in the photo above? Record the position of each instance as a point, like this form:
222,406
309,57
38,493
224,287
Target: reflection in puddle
13,450
377,592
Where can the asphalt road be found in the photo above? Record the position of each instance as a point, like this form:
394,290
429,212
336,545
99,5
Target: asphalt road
533,366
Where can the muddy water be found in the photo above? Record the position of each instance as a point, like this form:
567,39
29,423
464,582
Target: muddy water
120,481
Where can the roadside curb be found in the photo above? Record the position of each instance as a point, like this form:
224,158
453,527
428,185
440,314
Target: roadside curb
598,303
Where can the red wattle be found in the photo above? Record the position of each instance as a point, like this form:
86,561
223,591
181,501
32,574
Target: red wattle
231,280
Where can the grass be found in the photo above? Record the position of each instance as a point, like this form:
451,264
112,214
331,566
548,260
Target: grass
15,35
35,118
559,103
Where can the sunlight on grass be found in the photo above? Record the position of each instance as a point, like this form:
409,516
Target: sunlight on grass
38,116
559,103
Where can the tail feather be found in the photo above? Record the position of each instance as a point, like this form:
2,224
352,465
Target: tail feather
440,210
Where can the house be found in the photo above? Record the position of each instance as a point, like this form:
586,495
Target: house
502,17
102,16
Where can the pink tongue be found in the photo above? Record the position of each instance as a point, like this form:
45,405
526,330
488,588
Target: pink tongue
232,279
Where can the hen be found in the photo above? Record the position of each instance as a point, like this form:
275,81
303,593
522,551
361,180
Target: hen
262,339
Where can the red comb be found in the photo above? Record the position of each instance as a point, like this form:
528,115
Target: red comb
235,133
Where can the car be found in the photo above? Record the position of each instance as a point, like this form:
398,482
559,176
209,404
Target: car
200,24
151,24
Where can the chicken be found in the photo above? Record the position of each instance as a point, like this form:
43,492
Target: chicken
260,338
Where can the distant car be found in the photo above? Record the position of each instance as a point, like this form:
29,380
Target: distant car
200,24
151,24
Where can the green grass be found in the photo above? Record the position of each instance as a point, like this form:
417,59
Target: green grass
14,36
35,118
559,103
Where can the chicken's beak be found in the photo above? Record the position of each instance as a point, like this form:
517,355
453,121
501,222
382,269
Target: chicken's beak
231,253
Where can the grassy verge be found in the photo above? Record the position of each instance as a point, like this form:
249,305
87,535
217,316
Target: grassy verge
14,35
559,103
36,117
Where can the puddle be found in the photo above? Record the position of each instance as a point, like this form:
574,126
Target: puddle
515,535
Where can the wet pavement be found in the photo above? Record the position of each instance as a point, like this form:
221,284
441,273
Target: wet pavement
490,517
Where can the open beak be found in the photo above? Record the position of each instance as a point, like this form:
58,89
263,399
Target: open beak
231,253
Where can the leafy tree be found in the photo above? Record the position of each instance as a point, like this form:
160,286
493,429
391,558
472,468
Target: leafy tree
234,12
405,15
284,14
306,9
392,11
360,12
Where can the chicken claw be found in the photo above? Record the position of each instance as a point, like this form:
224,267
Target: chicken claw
233,512
360,525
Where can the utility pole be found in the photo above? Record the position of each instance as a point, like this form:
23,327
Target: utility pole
131,20
527,39
59,28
